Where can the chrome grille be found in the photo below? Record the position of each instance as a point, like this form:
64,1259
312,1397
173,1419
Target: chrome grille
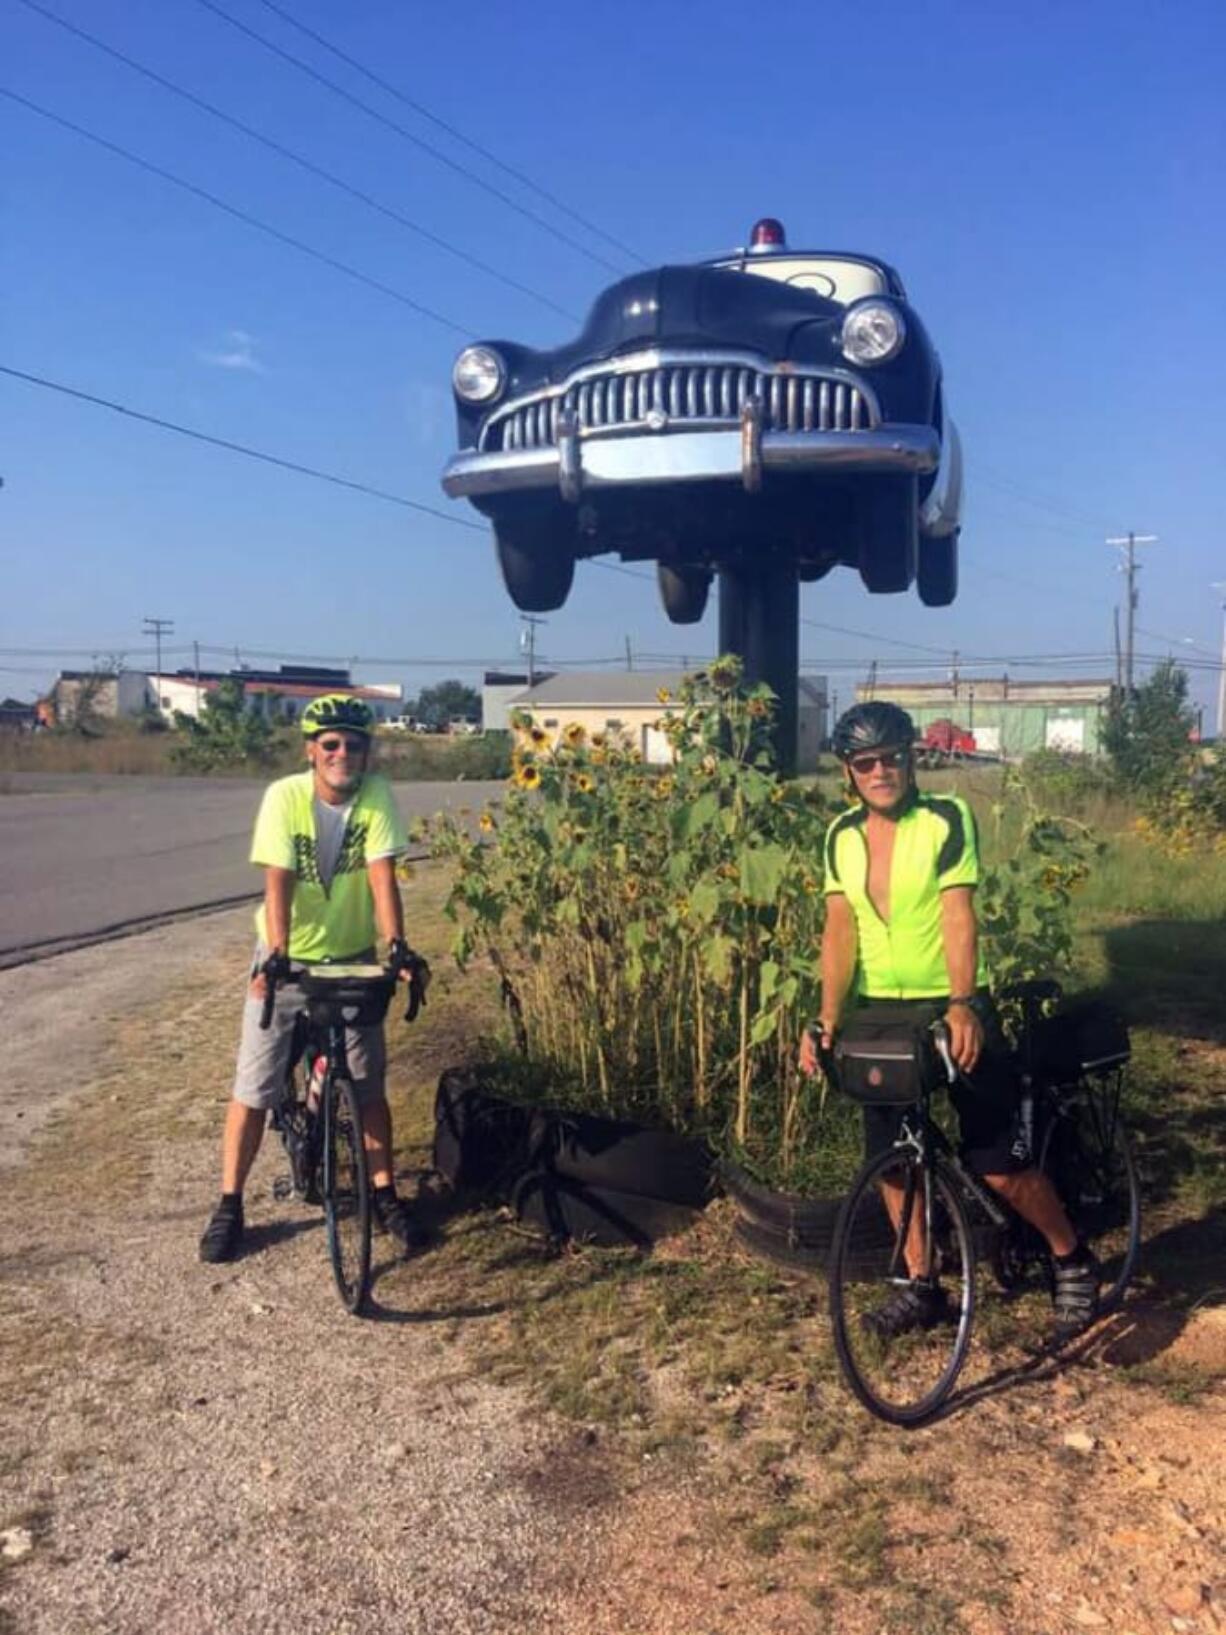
690,394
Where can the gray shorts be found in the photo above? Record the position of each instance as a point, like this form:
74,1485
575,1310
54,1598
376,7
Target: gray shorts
263,1057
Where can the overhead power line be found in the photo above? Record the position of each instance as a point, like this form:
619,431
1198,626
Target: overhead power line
451,130
242,448
296,158
407,135
239,214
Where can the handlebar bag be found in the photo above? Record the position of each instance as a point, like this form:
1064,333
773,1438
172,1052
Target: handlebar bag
882,1063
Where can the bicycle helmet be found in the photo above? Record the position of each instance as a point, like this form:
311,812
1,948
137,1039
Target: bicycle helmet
875,725
337,710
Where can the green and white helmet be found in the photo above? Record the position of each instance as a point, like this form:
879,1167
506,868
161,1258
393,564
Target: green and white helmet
337,711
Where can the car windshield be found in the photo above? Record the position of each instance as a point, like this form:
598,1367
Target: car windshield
837,278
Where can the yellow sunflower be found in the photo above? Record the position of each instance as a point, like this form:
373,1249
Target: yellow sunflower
486,823
663,694
528,776
585,783
574,735
538,735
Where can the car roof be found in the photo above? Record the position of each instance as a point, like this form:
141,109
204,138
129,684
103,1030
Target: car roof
889,273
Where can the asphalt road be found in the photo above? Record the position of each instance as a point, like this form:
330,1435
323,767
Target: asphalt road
85,857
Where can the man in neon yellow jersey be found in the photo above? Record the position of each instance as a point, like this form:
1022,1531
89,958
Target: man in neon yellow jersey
327,840
902,939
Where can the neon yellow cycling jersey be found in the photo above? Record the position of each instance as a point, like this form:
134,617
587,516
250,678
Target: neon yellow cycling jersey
338,921
935,847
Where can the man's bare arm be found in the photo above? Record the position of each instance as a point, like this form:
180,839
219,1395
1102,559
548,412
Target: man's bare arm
960,935
389,911
840,946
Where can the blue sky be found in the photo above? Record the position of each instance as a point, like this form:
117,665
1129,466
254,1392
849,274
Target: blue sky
1048,180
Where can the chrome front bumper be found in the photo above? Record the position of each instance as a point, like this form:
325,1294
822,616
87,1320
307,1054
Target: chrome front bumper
734,454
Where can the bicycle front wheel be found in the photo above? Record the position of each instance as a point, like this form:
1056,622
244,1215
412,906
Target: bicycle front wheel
902,1286
346,1194
1088,1155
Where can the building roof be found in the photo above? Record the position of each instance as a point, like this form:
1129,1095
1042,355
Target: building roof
992,689
625,689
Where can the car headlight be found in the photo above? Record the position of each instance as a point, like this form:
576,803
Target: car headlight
479,374
873,332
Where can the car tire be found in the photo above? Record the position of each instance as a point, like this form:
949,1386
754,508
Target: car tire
683,591
809,572
538,566
937,575
889,534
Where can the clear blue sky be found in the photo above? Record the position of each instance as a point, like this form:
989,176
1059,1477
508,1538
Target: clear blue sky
1048,180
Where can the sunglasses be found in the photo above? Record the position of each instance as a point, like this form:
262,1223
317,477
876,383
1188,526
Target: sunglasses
333,746
888,759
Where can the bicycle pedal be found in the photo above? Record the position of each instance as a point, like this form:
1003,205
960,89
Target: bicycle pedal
282,1188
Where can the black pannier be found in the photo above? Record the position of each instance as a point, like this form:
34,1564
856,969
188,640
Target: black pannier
883,1063
1085,1038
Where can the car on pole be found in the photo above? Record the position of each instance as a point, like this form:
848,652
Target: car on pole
769,403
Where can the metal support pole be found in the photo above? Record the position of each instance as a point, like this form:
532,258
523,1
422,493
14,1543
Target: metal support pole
759,619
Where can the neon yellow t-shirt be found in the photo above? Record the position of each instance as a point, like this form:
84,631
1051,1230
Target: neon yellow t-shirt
338,922
935,847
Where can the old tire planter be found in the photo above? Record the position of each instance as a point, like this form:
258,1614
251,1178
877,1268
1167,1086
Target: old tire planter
571,1175
783,1227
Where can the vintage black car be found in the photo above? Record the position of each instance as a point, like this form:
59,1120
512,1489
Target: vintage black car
770,402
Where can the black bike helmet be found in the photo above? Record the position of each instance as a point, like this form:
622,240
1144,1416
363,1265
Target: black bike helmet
875,725
335,710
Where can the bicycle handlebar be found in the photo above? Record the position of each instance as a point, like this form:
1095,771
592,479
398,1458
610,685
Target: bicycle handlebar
277,973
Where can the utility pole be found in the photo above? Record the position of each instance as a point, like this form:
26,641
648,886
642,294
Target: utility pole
953,674
1220,587
872,678
1128,545
629,655
196,663
157,628
527,641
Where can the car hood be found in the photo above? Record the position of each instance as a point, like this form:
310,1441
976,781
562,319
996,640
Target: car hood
686,307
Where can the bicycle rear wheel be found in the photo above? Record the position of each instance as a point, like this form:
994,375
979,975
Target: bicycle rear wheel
920,1255
346,1194
1088,1155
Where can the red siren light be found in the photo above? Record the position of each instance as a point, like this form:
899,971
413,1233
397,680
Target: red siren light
767,234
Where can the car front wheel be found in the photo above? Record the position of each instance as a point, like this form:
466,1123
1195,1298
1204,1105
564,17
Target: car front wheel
538,566
937,578
889,534
683,591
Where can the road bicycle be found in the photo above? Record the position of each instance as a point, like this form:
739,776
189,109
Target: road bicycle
918,1206
319,1118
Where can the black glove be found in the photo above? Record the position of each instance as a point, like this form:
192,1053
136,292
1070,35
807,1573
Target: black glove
402,958
276,967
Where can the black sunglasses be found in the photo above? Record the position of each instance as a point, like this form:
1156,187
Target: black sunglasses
333,746
890,759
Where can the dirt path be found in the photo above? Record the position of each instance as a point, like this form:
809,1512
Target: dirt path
221,1450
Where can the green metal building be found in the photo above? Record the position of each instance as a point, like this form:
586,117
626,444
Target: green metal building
1008,718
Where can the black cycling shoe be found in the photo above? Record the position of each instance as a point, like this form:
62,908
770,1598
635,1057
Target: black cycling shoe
1075,1286
911,1306
394,1217
222,1238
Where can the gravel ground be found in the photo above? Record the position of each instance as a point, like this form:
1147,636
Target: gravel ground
208,1450
222,1449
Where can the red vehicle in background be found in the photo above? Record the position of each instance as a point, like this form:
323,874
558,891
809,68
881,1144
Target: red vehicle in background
944,741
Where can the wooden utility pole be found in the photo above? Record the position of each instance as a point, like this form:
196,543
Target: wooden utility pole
1127,543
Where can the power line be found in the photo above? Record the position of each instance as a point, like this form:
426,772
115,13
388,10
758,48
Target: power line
297,158
452,131
244,216
407,135
242,448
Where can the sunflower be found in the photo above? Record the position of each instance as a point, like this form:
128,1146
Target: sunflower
725,673
574,735
486,823
758,707
631,889
528,776
585,783
599,740
538,735
663,694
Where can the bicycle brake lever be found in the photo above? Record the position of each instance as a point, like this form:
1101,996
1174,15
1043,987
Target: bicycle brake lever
940,1038
270,994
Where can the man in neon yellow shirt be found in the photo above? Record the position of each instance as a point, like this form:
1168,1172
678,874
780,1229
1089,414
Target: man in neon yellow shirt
327,840
901,939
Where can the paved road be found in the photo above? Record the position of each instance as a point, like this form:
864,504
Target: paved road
79,855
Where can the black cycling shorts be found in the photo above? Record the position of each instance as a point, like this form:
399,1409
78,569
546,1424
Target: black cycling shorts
993,1141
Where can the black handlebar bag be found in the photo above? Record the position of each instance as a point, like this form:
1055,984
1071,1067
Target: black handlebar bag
882,1062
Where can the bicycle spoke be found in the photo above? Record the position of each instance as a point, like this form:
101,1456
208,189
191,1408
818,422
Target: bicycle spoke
347,1197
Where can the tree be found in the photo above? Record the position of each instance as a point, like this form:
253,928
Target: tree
447,701
226,733
1147,732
